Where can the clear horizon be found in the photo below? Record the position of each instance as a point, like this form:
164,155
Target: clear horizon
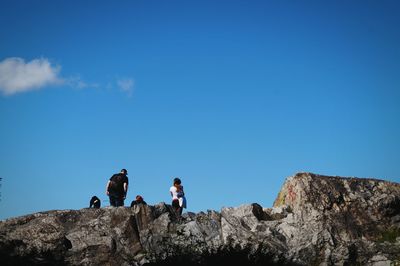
230,96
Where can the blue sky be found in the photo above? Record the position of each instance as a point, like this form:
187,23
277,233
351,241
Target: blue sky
231,96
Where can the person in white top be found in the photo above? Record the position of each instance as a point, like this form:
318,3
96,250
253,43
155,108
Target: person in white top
178,196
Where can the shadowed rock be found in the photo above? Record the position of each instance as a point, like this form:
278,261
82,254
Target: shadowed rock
316,220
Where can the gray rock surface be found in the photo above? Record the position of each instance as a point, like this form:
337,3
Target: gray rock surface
315,220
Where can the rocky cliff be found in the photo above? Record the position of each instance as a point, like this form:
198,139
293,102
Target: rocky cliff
315,220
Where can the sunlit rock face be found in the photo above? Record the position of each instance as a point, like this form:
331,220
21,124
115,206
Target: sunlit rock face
345,221
316,220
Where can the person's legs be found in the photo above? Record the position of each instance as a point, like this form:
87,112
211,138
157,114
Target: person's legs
177,208
112,201
119,202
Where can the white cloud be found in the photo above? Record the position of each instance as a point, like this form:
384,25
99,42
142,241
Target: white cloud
126,85
78,83
17,76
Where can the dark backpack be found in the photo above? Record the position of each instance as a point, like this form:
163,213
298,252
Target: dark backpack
116,184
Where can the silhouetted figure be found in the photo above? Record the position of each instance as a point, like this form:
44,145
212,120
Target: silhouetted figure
138,200
117,187
95,202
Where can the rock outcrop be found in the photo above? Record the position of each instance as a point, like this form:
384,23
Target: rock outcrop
315,220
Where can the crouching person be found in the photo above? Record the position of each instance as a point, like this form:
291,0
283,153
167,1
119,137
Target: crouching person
95,202
139,200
